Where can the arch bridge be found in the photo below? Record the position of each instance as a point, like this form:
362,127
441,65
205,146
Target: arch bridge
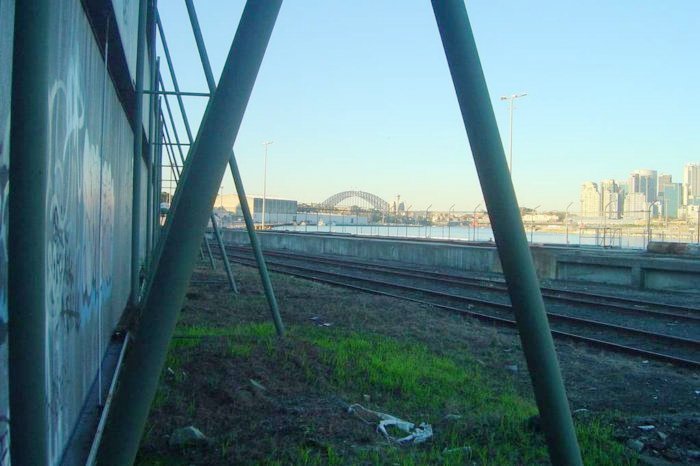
374,200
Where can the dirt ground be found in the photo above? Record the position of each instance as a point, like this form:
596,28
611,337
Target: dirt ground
630,391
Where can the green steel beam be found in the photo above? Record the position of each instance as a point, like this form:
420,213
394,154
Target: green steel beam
191,208
173,76
227,265
508,229
182,93
27,245
176,175
138,153
183,114
224,257
151,196
233,165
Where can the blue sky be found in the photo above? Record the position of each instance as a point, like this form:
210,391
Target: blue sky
357,95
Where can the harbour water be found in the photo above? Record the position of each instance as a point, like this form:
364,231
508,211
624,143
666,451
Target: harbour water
575,236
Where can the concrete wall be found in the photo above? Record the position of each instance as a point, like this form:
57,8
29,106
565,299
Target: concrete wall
6,34
626,268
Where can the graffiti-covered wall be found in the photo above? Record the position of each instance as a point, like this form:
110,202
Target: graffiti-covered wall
88,215
6,32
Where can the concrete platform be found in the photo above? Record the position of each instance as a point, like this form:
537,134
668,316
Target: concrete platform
630,268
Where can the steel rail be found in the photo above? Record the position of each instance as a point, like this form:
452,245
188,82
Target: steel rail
508,307
501,282
485,317
549,293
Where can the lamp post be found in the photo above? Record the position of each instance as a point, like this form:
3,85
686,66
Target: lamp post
511,100
651,205
605,221
566,221
264,184
532,224
475,223
449,219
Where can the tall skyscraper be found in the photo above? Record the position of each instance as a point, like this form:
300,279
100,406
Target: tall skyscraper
672,200
646,182
590,200
636,206
664,182
691,184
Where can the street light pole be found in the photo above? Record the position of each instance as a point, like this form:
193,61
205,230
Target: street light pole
605,221
566,221
474,221
511,101
651,204
264,185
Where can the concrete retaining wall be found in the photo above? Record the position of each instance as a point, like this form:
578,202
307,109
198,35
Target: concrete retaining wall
613,267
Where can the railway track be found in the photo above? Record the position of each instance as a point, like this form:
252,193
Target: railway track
580,316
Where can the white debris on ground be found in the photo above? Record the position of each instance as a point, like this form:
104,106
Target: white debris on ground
416,434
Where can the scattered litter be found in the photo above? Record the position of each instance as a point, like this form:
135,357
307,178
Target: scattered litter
187,437
580,411
697,392
645,362
646,427
366,397
661,435
416,435
317,320
257,385
512,367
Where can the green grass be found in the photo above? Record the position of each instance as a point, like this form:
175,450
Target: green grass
412,382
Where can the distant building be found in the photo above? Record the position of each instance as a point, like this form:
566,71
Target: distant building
672,200
590,200
663,181
636,206
276,210
611,200
691,184
646,182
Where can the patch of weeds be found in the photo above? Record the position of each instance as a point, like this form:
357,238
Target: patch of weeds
595,437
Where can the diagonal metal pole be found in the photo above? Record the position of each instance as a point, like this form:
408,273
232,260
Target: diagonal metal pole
215,226
233,165
184,229
183,161
183,114
508,229
220,241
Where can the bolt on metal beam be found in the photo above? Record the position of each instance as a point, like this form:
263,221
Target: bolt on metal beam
185,227
509,232
238,182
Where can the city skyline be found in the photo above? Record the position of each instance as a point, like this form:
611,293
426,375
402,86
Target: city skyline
373,107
